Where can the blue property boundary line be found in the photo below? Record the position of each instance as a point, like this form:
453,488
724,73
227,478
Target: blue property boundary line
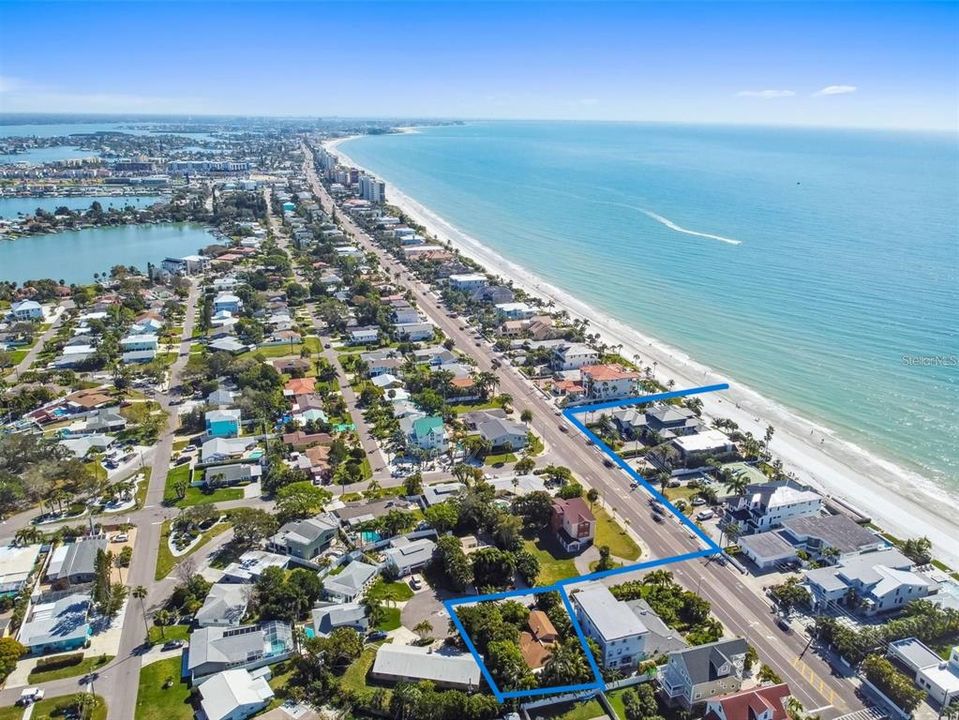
711,549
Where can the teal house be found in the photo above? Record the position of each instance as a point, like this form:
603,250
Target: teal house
223,423
288,207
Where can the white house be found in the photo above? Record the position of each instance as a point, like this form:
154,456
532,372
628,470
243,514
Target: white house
364,335
407,663
608,382
350,584
766,506
938,677
414,331
407,556
515,311
870,584
468,281
235,694
140,341
620,635
572,356
26,311
228,302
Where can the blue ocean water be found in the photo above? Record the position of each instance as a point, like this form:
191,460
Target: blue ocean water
821,261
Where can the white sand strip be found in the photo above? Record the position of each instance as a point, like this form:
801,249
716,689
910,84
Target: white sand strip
902,502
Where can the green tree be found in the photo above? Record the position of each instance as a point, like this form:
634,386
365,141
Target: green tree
10,652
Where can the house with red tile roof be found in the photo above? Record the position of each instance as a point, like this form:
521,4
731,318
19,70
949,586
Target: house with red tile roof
299,386
764,703
609,382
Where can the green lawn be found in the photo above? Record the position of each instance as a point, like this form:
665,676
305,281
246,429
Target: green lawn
275,351
500,459
156,703
391,619
355,676
83,667
551,568
166,561
569,711
616,700
47,709
473,407
194,495
11,713
169,632
608,532
396,591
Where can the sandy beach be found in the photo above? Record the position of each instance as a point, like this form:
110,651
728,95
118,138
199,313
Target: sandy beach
900,501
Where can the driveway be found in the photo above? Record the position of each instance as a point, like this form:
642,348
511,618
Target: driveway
427,604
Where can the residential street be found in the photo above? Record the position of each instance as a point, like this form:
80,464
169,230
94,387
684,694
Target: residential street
741,610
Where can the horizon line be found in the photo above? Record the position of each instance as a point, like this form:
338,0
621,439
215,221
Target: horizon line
466,119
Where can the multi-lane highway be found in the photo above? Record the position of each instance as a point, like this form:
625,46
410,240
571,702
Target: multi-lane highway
740,608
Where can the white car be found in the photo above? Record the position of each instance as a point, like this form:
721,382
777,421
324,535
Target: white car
120,537
705,515
30,695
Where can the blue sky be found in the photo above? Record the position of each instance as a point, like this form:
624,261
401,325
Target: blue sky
859,64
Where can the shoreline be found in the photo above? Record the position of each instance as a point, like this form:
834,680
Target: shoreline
900,501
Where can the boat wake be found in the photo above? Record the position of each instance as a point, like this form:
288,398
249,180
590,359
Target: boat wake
678,228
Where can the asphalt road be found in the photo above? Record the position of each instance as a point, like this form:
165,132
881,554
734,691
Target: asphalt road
737,606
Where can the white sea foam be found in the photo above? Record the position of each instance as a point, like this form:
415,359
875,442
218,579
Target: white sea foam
678,228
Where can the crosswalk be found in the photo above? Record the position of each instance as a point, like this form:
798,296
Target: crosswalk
869,713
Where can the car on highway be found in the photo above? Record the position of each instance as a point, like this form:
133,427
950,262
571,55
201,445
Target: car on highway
607,462
657,517
563,428
783,624
657,507
326,345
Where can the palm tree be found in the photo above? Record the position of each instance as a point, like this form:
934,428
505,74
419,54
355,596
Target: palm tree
28,536
661,578
526,416
737,484
140,593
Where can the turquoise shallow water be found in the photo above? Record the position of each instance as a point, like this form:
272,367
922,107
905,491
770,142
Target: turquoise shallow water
848,254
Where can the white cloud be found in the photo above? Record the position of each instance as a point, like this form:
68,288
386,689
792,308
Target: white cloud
837,90
765,94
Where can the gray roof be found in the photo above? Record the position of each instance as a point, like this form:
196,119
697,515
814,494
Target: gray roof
305,532
914,653
237,645
351,580
612,618
493,427
406,661
837,531
702,662
661,639
407,553
767,545
80,558
220,396
57,622
330,616
225,602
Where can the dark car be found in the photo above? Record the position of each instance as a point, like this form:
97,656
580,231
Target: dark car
172,644
607,462
377,635
783,624
657,517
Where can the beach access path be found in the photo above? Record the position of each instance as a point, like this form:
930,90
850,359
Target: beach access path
736,604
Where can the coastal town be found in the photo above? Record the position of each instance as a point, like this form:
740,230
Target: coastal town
324,464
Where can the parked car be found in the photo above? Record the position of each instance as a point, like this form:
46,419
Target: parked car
377,635
674,483
698,501
29,696
120,537
172,644
415,583
705,515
